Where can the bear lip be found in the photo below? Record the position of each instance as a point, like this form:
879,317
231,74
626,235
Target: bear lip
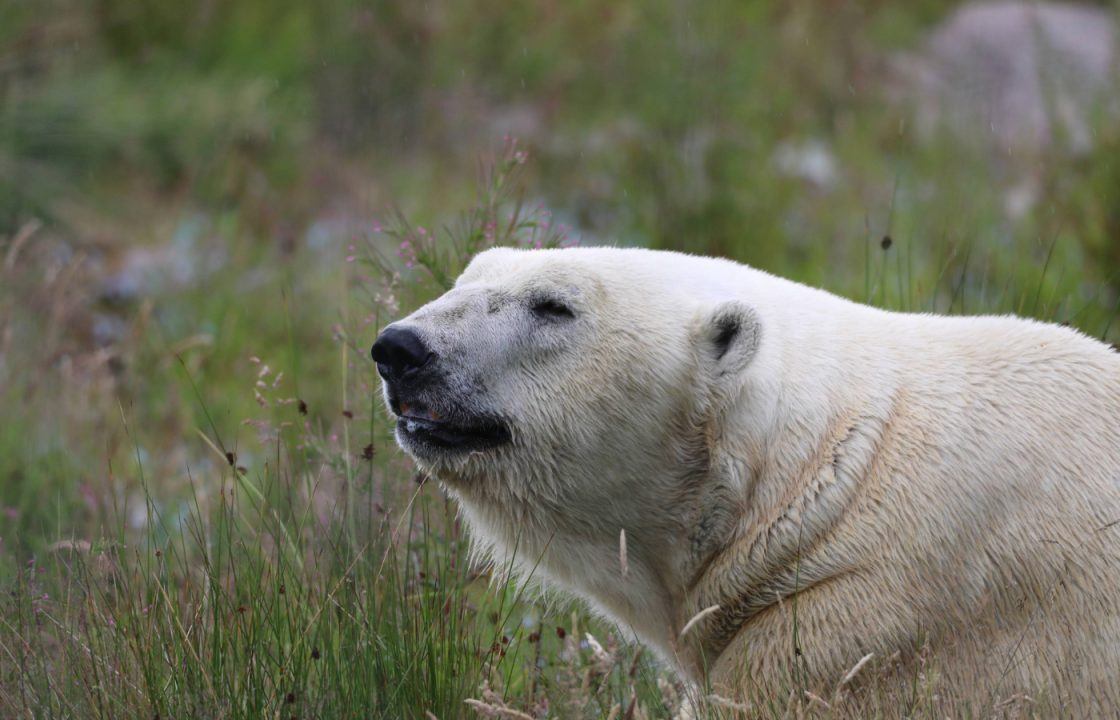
427,433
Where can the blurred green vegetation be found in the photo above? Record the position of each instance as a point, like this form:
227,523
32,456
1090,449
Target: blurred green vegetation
652,123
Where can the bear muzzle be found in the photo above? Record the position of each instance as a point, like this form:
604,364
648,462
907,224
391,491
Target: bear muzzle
430,423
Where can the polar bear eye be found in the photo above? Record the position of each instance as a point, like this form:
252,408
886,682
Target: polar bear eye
552,309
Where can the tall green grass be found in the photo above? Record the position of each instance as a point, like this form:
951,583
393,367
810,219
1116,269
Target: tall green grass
303,571
256,599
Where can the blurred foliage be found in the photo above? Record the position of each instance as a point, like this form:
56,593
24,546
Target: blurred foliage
237,146
249,140
191,172
654,123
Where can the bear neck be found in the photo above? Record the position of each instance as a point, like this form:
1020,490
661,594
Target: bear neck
790,467
547,542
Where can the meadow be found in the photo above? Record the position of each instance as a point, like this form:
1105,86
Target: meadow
207,210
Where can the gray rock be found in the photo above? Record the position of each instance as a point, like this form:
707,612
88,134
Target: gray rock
1020,75
186,259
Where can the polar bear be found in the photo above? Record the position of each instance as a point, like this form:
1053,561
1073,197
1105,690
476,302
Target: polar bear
802,480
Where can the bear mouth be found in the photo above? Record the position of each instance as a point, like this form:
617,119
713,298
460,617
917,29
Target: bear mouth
425,435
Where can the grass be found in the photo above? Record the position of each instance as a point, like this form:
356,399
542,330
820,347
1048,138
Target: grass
264,593
202,512
299,573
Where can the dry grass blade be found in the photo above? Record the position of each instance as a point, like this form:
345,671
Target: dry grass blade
79,546
720,701
1014,700
815,699
697,618
855,670
487,710
24,234
623,560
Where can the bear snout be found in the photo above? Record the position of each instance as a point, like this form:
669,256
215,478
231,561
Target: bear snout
399,352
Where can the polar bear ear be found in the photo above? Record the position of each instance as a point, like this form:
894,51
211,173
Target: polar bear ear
731,334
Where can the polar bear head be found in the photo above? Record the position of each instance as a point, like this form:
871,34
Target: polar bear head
567,395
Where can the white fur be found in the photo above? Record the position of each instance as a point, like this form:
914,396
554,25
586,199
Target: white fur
896,478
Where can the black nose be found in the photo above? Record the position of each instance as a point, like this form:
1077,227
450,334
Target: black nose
399,351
